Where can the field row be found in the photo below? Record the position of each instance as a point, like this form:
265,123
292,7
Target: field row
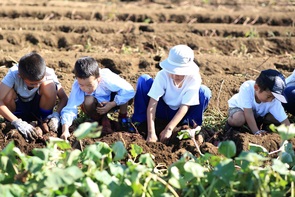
279,16
209,29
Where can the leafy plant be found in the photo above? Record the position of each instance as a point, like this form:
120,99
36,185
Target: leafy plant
103,170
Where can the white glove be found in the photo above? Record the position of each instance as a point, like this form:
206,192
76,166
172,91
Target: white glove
260,132
54,121
26,129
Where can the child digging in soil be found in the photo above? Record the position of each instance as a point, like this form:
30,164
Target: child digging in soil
93,89
260,99
175,95
290,94
29,92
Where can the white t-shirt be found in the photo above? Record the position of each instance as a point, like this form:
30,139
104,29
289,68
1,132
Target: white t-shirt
13,80
245,98
187,94
291,79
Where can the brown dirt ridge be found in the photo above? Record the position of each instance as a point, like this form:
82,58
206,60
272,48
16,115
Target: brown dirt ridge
233,41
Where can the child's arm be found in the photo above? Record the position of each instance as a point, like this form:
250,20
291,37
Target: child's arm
250,120
54,118
63,99
65,132
151,113
167,132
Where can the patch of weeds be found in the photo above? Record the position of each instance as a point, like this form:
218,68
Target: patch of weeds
88,46
147,20
81,117
252,33
214,119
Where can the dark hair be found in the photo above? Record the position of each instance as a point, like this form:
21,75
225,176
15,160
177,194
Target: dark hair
86,67
32,67
262,84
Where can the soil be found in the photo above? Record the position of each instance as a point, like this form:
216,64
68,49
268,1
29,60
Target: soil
233,41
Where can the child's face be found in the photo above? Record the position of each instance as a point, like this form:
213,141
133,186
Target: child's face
33,84
263,96
177,78
89,84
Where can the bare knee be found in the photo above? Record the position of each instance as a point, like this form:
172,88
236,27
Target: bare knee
9,100
48,95
237,119
90,103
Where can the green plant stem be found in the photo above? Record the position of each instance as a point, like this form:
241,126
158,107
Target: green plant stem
194,140
156,178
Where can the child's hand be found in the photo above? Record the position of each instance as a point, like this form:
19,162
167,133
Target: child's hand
165,135
28,131
103,108
65,135
54,121
260,132
152,138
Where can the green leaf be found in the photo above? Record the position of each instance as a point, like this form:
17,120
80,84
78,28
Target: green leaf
286,132
73,157
227,148
34,164
42,153
195,169
92,187
87,130
62,144
103,176
7,166
251,157
96,152
135,150
59,177
257,148
11,190
8,149
119,150
147,159
225,170
183,134
286,157
280,167
176,179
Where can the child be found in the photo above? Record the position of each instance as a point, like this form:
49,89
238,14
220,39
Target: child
175,95
258,99
290,94
93,89
29,92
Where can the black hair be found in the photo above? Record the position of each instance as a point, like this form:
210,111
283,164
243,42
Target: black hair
86,67
32,67
262,83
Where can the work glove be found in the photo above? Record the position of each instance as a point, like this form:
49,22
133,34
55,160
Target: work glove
27,130
54,121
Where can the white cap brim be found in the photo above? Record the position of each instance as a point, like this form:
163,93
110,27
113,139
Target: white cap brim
279,97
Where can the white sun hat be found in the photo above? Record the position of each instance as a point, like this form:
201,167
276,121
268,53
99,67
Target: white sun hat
180,61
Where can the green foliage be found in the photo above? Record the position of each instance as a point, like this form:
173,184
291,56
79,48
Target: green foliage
103,170
252,33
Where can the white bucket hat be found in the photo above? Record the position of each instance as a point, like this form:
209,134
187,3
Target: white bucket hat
180,61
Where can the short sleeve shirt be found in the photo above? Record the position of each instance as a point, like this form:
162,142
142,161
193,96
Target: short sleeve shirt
174,97
245,98
13,80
